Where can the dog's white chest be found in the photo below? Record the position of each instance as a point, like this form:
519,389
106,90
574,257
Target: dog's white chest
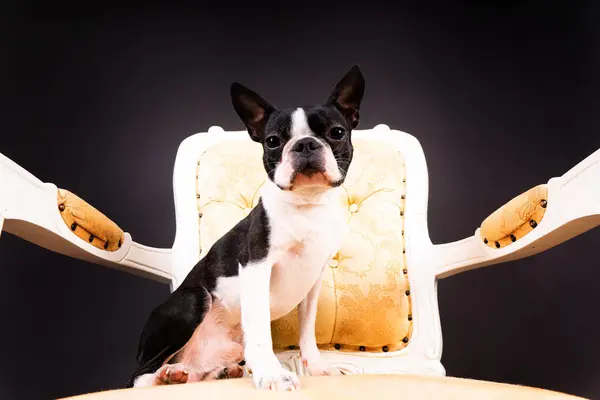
302,243
302,240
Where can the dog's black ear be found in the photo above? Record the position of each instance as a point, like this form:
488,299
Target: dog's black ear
348,94
252,109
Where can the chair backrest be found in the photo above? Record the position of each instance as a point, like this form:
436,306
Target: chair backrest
377,298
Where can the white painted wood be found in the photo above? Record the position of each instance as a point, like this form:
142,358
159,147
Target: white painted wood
29,210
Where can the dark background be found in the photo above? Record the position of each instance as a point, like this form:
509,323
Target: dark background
501,97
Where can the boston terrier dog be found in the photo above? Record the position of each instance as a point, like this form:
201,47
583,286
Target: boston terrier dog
270,262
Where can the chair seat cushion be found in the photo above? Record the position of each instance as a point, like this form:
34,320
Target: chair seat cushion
379,386
364,303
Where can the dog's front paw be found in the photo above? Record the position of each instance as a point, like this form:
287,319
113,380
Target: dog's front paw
318,368
276,379
172,374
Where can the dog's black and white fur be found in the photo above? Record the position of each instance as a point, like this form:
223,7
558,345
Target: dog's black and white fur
272,260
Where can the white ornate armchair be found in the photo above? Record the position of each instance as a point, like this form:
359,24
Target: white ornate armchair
378,309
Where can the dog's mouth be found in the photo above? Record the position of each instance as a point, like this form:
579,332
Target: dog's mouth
309,165
310,176
309,173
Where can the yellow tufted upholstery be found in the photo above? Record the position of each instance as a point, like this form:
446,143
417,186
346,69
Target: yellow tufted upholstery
365,300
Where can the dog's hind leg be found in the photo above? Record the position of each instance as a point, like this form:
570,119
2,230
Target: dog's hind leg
234,370
168,374
169,327
214,351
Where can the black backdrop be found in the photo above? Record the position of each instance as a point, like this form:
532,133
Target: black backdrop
501,97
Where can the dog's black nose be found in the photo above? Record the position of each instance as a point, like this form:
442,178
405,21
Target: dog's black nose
306,146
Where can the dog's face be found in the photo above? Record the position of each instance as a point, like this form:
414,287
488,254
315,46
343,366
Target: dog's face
304,147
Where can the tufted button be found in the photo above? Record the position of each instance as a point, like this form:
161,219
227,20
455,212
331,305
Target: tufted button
334,263
61,207
337,346
385,349
362,348
353,207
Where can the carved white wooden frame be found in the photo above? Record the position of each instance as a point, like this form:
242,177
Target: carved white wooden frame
28,209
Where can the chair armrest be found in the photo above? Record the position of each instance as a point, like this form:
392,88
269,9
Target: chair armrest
59,221
532,222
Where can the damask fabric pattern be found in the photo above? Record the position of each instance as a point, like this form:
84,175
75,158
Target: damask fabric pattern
516,218
364,303
88,223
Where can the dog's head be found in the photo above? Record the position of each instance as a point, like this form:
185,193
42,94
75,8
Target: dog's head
304,147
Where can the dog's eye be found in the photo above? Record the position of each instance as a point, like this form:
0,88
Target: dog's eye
273,142
337,133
